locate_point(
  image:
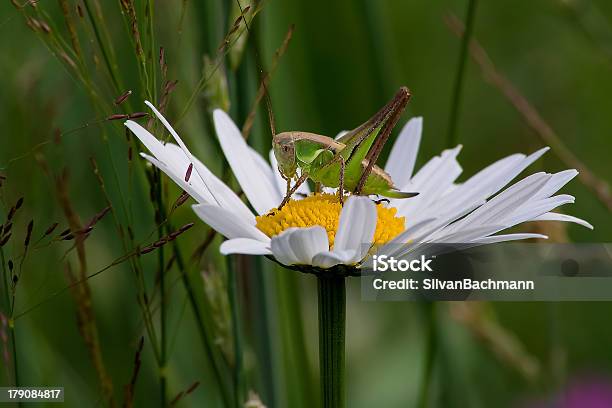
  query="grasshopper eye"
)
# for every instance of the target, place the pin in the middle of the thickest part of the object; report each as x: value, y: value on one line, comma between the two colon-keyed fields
x: 285, y: 156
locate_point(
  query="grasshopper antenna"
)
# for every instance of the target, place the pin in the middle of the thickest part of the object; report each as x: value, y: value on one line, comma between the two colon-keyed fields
x: 269, y: 109
x: 263, y: 76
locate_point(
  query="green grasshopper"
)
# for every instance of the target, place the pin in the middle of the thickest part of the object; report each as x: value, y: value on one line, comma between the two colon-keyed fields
x: 347, y: 163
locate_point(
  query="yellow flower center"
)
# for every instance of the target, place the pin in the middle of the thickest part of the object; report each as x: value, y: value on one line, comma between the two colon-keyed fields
x: 324, y: 210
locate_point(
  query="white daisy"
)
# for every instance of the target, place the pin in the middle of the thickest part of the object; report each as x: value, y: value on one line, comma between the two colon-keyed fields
x: 317, y: 231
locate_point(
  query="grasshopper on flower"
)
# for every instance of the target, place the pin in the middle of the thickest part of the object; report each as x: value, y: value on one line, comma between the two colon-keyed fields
x: 347, y: 163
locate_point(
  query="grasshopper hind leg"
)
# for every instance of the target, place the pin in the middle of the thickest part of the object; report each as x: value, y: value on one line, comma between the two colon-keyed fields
x: 341, y: 183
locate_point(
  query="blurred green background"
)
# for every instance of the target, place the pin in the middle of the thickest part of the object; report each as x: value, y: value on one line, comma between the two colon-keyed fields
x: 345, y: 60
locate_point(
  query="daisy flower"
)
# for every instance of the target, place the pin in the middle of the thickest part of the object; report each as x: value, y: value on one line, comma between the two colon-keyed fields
x: 316, y: 232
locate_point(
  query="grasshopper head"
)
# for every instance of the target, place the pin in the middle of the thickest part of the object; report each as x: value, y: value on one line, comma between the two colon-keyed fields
x: 284, y: 151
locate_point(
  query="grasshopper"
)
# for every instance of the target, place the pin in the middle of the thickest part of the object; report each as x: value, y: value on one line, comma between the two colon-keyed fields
x: 347, y: 163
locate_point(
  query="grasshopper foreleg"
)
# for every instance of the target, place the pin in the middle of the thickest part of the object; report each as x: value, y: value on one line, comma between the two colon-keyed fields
x: 288, y: 180
x: 291, y: 190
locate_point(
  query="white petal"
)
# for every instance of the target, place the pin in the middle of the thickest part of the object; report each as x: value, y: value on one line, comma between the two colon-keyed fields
x: 155, y: 146
x: 400, y: 164
x: 169, y: 127
x: 173, y: 166
x: 551, y: 216
x: 432, y: 249
x: 459, y: 239
x: 445, y: 219
x: 268, y: 171
x: 421, y: 177
x: 224, y: 196
x: 411, y: 235
x: 490, y: 180
x: 467, y: 234
x: 431, y: 183
x: 262, y: 195
x: 306, y: 242
x: 501, y: 169
x: 245, y: 246
x: 526, y: 162
x: 201, y: 195
x: 475, y: 190
x: 413, y: 232
x: 507, y: 237
x: 556, y: 182
x: 177, y: 138
x: 534, y: 209
x: 281, y: 249
x: 327, y: 259
x: 506, y: 202
x: 227, y: 224
x: 203, y: 185
x: 356, y: 226
x: 297, y: 246
x: 281, y: 184
x: 402, y: 241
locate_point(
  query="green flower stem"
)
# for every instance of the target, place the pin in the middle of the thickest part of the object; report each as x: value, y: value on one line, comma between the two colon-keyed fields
x: 428, y: 311
x: 332, y: 325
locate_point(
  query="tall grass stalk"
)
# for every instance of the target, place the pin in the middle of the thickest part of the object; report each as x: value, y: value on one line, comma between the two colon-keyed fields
x: 256, y: 285
x: 15, y: 363
x: 57, y: 46
x: 382, y: 45
x: 103, y: 39
x: 104, y: 43
x: 204, y: 325
x: 203, y: 321
x: 598, y: 185
x: 264, y: 322
x: 162, y: 289
x: 428, y: 309
x: 151, y: 52
x: 97, y: 86
x: 232, y: 294
x: 218, y: 62
x: 6, y: 278
x: 453, y: 137
x: 295, y: 380
x: 82, y: 293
